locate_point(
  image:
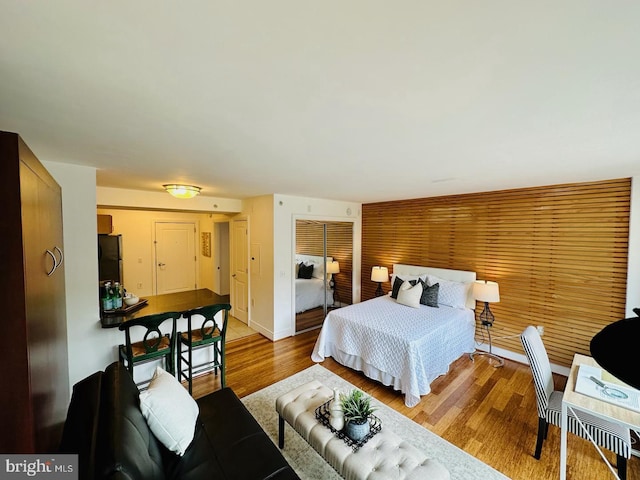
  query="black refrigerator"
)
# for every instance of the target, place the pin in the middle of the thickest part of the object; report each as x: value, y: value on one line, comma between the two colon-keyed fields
x: 110, y: 258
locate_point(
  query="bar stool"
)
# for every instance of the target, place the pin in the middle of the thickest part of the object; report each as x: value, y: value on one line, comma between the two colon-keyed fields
x: 154, y: 344
x: 209, y: 334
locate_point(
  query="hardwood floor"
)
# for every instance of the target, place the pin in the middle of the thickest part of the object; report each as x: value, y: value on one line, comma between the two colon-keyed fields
x: 490, y: 413
x: 309, y: 319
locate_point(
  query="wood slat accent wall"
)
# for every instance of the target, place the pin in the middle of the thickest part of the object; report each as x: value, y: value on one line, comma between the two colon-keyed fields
x: 559, y: 254
x: 309, y: 239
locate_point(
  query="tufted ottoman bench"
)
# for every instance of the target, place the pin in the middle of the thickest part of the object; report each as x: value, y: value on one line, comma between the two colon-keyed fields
x: 384, y: 456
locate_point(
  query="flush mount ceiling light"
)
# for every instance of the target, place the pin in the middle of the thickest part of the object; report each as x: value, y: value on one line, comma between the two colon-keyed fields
x: 182, y: 191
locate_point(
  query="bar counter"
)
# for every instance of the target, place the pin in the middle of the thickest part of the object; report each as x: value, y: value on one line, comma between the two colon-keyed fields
x: 169, y: 302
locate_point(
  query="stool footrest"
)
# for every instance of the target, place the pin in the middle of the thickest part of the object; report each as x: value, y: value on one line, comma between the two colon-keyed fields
x: 385, y: 455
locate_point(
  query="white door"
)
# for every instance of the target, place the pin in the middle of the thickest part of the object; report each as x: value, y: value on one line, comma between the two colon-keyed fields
x: 221, y: 266
x: 175, y: 257
x: 240, y: 269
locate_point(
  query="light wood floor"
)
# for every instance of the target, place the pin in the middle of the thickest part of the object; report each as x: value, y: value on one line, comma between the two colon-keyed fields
x: 488, y: 412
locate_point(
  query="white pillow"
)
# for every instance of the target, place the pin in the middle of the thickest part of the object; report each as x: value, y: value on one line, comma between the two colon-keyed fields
x: 318, y: 269
x: 409, y: 295
x: 170, y: 411
x: 452, y: 294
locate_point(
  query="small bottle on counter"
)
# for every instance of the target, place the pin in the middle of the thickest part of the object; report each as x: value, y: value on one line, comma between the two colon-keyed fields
x: 107, y: 299
x: 117, y: 296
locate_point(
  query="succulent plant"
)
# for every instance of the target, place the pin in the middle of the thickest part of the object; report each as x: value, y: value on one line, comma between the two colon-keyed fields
x: 356, y: 407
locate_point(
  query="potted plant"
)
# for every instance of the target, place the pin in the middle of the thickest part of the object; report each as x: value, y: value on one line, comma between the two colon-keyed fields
x: 357, y: 409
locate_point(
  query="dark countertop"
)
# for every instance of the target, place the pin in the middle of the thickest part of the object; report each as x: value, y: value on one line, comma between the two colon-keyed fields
x: 170, y: 302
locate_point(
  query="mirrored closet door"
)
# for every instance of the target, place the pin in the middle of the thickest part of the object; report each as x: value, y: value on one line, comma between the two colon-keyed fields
x: 324, y: 272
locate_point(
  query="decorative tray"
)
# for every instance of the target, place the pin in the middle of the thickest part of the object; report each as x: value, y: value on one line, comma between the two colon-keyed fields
x: 322, y: 415
x: 127, y: 308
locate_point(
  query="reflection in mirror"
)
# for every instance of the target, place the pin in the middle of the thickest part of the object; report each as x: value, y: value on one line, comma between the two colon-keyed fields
x: 324, y: 270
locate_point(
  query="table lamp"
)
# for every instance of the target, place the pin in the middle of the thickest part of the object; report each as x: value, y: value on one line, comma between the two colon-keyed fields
x: 332, y: 268
x: 487, y: 292
x: 380, y: 275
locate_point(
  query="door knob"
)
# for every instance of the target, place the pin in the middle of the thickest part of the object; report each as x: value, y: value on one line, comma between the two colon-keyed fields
x: 161, y: 264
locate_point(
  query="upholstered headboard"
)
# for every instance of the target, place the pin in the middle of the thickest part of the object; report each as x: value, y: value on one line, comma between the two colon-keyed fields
x: 444, y: 273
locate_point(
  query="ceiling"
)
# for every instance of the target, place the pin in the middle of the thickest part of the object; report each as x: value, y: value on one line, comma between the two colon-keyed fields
x: 360, y: 100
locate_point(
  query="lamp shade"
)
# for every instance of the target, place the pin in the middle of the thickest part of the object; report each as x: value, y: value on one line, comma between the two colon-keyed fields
x: 333, y: 267
x: 182, y: 191
x: 486, y: 291
x: 379, y: 274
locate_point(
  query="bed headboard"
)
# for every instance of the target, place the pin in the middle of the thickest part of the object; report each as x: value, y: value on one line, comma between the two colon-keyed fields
x: 444, y: 273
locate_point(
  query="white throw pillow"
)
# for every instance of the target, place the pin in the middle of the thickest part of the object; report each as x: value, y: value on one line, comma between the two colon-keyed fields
x: 170, y: 411
x: 452, y: 294
x: 410, y: 295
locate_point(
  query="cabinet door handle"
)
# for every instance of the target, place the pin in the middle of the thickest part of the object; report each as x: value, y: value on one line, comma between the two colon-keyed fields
x: 61, y: 255
x: 55, y: 263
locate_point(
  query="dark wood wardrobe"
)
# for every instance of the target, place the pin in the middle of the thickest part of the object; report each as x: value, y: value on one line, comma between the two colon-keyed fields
x: 33, y: 358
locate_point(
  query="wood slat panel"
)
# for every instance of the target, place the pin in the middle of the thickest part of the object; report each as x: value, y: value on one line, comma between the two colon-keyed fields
x: 559, y: 254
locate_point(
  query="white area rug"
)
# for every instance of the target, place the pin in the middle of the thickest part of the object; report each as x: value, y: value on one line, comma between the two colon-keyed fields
x: 310, y: 466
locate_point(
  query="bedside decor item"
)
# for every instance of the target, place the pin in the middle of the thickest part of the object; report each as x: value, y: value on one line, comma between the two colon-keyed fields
x: 357, y: 409
x: 379, y: 275
x: 333, y: 267
x: 487, y: 292
x: 181, y: 191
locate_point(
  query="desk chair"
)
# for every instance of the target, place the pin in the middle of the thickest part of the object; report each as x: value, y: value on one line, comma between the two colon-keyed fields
x: 609, y: 435
x: 209, y: 334
x: 154, y: 344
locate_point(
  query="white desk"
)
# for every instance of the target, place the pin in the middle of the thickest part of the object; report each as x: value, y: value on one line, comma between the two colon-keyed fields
x: 577, y: 401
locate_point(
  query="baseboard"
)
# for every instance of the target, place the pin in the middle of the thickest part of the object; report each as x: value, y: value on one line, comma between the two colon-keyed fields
x: 521, y: 358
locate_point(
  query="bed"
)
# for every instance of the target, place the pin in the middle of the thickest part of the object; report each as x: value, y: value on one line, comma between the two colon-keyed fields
x: 310, y: 292
x: 400, y: 346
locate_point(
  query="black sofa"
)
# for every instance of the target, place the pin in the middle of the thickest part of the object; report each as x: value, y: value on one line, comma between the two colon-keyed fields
x: 106, y: 428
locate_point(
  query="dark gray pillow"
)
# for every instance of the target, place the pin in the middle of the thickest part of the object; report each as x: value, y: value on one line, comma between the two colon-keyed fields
x: 397, y: 283
x: 305, y: 271
x: 429, y: 294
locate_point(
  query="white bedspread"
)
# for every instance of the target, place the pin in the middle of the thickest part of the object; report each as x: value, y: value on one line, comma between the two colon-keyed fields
x: 310, y: 294
x: 397, y: 345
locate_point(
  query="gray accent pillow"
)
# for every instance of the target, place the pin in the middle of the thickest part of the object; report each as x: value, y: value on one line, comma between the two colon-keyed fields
x: 305, y: 271
x: 429, y: 294
x: 397, y: 283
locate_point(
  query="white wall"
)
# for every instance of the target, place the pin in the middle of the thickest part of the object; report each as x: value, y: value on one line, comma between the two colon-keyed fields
x: 259, y: 213
x: 633, y: 269
x: 286, y: 210
x: 90, y: 346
